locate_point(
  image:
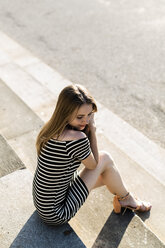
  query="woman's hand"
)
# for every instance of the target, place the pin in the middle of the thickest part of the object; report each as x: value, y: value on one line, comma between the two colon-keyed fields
x: 92, y: 126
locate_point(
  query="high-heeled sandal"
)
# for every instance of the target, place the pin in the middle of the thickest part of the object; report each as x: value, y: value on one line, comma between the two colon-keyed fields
x: 117, y: 206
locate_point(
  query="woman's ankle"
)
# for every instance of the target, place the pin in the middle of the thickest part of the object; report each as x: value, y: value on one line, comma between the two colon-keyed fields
x: 123, y: 196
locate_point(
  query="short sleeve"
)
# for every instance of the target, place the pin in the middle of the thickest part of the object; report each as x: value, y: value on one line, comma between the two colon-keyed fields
x: 79, y: 149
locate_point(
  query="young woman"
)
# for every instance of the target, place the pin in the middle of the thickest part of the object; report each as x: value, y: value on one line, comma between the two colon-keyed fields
x: 65, y: 141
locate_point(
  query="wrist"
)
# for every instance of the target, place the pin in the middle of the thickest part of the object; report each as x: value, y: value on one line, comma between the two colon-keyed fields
x: 92, y: 128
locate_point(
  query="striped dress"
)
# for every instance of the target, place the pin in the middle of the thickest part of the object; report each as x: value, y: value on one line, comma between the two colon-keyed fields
x: 57, y: 193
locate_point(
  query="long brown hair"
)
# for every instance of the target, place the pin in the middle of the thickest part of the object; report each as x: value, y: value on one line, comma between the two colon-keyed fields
x: 70, y: 99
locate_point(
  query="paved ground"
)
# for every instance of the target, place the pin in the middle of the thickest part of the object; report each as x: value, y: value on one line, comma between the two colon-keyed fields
x: 115, y: 48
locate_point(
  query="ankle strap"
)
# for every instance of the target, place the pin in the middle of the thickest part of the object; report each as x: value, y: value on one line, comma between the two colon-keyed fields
x: 123, y: 198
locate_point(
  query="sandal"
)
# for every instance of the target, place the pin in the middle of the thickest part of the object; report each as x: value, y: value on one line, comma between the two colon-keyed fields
x: 117, y: 205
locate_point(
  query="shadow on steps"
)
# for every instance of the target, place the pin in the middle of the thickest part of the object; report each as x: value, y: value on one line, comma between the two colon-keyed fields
x: 36, y: 234
x: 113, y: 230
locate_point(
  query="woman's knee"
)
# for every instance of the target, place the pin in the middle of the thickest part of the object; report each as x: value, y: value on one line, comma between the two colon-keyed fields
x: 106, y: 159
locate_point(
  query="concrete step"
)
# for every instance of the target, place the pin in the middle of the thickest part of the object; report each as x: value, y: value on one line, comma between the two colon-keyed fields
x: 9, y: 161
x: 16, y: 204
x: 30, y: 91
x: 19, y: 125
x: 126, y: 231
x: 20, y: 225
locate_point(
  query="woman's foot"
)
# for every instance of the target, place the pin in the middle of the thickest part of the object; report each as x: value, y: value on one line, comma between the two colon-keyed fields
x: 133, y: 203
x: 130, y: 202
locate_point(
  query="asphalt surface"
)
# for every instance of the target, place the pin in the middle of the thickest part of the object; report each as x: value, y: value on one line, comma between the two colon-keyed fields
x: 114, y: 48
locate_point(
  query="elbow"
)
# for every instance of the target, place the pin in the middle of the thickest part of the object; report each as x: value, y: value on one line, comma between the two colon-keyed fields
x: 94, y: 165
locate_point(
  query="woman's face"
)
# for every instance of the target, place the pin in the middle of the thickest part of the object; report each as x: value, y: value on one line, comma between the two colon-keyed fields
x: 82, y: 117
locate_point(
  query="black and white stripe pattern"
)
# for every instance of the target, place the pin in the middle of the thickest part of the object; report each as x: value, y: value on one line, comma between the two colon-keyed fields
x: 57, y: 196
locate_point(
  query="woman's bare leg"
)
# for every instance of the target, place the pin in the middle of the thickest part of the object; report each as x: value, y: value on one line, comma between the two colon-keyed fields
x: 107, y: 174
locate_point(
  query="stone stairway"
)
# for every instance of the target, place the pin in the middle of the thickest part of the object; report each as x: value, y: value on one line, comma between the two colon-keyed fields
x: 28, y: 94
x: 14, y: 163
x: 19, y: 125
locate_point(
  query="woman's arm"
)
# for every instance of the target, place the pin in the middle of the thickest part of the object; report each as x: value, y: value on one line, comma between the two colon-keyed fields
x: 92, y: 160
x: 92, y: 138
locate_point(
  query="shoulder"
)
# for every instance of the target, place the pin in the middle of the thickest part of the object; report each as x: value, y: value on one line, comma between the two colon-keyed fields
x: 71, y: 135
x: 75, y: 135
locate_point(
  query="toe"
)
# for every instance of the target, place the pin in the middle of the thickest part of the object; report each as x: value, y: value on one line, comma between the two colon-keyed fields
x: 145, y: 206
